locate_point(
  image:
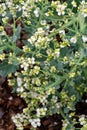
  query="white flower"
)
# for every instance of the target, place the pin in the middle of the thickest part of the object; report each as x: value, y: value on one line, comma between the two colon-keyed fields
x: 36, y: 12
x: 20, y: 89
x: 57, y: 53
x: 62, y: 32
x: 86, y: 101
x: 31, y: 60
x: 57, y: 105
x: 73, y: 40
x: 41, y: 111
x: 43, y: 22
x: 25, y: 85
x: 40, y: 30
x: 33, y: 94
x: 83, y: 8
x: 61, y: 9
x: 10, y: 98
x: 84, y: 38
x: 19, y: 81
x: 24, y: 65
x: 43, y: 100
x: 83, y: 2
x: 82, y: 120
x: 54, y: 99
x: 35, y: 122
x: 74, y: 3
x: 32, y: 39
x: 36, y: 1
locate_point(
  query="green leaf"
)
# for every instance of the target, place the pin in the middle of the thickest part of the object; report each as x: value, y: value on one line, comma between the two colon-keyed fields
x: 19, y: 13
x: 2, y: 48
x: 14, y: 38
x: 18, y: 51
x: 81, y: 20
x: 66, y: 110
x: 15, y: 87
x: 85, y: 72
x: 6, y: 68
x: 18, y: 31
x: 69, y: 127
x: 56, y: 83
x: 17, y: 34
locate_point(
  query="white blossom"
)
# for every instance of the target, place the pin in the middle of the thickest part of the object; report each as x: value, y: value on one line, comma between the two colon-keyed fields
x: 82, y: 120
x: 36, y: 12
x: 43, y: 22
x: 62, y: 32
x: 35, y: 122
x: 31, y: 60
x: 74, y: 3
x: 61, y: 9
x: 57, y: 53
x: 19, y: 81
x: 84, y: 38
x: 41, y: 111
x: 20, y: 89
x: 73, y: 40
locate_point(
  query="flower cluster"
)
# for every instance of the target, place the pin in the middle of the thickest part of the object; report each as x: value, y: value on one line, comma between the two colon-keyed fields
x: 35, y: 122
x: 82, y: 119
x: 60, y: 8
x: 83, y: 8
x: 39, y: 39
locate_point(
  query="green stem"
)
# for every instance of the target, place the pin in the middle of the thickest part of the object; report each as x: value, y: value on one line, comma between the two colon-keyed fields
x: 73, y: 69
x: 78, y: 62
x: 55, y: 83
x: 66, y: 118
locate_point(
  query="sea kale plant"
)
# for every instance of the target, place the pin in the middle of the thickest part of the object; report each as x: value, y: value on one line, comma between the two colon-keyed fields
x: 49, y: 70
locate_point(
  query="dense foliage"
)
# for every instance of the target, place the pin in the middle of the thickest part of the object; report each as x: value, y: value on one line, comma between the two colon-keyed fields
x: 48, y: 67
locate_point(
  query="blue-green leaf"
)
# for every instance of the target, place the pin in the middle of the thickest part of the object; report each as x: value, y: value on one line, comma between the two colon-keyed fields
x: 6, y: 68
